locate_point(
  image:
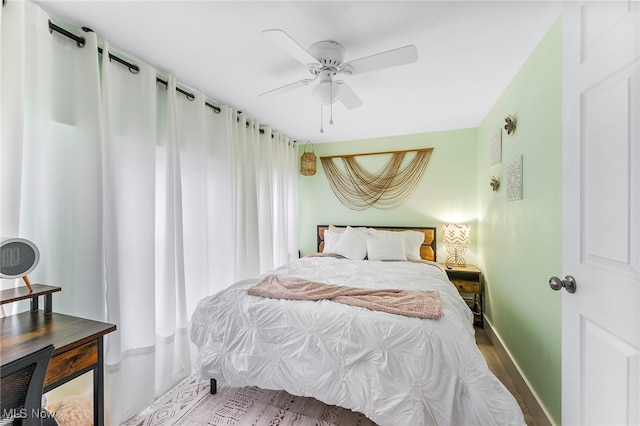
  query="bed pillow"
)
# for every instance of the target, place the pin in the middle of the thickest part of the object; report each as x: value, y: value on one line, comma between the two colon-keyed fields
x: 336, y: 229
x: 386, y: 249
x: 330, y: 241
x: 334, y: 234
x: 352, y: 244
x: 412, y: 242
x: 341, y: 229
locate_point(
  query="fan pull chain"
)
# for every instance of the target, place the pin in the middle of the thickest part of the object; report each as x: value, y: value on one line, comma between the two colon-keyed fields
x: 331, y: 97
x: 321, y: 129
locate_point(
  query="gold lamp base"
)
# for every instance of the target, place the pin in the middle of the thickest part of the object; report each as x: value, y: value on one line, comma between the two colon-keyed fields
x: 455, y: 256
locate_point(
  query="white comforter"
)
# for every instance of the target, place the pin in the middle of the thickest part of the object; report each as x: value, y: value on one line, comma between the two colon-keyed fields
x: 396, y: 370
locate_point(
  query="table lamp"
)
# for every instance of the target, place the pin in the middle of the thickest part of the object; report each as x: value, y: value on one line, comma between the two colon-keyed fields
x: 456, y: 237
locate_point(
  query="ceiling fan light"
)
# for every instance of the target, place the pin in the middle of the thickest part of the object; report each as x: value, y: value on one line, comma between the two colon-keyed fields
x: 326, y: 93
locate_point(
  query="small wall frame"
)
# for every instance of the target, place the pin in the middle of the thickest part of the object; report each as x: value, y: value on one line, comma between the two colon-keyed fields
x: 514, y: 179
x: 496, y: 148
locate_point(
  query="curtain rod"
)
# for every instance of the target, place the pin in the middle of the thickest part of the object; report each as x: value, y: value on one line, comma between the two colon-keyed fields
x: 133, y: 68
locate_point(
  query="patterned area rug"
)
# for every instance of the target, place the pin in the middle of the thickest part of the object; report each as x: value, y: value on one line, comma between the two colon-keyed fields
x: 190, y: 403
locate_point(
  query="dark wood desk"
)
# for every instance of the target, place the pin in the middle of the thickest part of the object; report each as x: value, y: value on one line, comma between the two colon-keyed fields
x: 78, y: 346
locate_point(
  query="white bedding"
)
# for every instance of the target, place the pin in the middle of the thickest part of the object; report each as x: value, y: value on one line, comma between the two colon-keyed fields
x: 396, y: 370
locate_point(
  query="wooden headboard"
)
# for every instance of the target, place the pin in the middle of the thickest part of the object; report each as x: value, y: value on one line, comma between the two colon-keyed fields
x: 427, y: 250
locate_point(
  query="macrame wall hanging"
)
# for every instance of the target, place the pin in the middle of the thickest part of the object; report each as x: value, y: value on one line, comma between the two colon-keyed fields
x: 392, y: 185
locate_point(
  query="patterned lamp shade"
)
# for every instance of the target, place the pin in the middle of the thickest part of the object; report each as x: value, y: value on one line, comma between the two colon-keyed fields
x: 456, y: 237
x: 456, y: 234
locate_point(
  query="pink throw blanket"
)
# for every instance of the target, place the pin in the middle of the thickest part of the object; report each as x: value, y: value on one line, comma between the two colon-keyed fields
x: 419, y: 304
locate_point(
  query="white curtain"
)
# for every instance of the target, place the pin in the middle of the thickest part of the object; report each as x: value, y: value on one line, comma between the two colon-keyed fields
x: 54, y: 155
x: 142, y: 200
x: 130, y: 132
x: 265, y: 196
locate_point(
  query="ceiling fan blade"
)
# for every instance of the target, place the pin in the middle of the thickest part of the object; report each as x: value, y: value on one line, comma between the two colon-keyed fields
x: 390, y: 58
x: 290, y: 46
x: 288, y: 87
x: 347, y: 96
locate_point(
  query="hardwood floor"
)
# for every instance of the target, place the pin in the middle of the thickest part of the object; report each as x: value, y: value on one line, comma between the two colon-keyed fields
x: 496, y: 366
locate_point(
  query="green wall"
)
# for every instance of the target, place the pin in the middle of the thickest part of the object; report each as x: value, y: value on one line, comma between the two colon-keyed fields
x: 517, y: 244
x: 447, y: 191
x: 520, y: 241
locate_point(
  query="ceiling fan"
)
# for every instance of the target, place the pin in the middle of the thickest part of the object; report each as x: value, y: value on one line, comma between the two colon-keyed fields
x: 325, y: 60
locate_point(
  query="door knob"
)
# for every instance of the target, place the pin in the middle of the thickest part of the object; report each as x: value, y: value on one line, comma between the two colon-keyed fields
x: 569, y: 283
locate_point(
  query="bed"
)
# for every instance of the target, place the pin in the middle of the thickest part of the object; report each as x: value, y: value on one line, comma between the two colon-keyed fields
x: 395, y: 369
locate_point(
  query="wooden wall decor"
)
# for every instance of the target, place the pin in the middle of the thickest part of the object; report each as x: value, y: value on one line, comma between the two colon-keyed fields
x: 510, y: 124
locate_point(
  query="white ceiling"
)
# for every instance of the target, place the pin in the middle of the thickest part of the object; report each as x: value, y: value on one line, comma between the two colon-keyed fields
x: 468, y: 51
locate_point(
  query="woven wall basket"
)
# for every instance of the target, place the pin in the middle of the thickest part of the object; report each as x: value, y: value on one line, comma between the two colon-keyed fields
x: 308, y: 161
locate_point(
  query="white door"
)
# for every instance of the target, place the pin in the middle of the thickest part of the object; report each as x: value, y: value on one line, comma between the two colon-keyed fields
x: 601, y: 213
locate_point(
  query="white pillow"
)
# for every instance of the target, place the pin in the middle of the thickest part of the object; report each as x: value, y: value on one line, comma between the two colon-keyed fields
x: 412, y: 242
x: 352, y: 244
x: 336, y: 229
x: 341, y: 229
x: 377, y: 233
x: 386, y: 249
x: 330, y: 241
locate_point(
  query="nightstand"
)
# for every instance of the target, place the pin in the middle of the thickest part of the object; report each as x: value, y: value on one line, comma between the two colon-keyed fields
x: 468, y: 281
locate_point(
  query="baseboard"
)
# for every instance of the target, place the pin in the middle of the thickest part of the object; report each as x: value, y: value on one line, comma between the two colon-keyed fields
x: 537, y: 410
